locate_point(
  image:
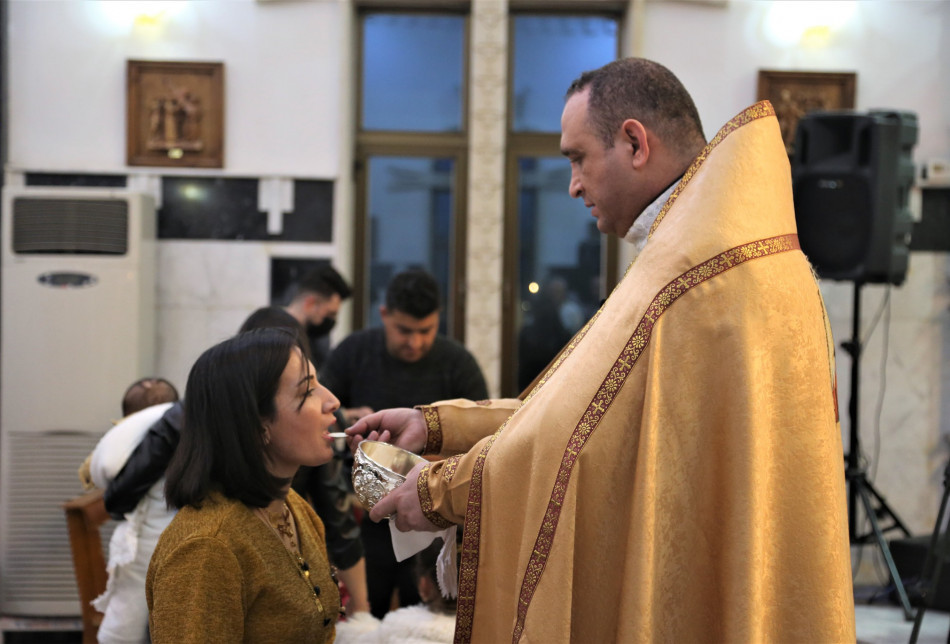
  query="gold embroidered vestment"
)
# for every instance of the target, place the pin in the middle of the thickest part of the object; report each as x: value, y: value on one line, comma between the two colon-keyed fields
x: 677, y: 475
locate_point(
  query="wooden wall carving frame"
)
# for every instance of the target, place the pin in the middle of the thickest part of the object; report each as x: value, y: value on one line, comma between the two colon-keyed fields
x: 795, y: 93
x: 175, y: 114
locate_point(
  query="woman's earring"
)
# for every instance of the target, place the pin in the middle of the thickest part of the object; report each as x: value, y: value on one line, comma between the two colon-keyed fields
x: 266, y: 436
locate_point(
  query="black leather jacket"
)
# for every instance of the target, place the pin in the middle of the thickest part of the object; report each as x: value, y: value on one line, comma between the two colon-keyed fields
x: 323, y: 486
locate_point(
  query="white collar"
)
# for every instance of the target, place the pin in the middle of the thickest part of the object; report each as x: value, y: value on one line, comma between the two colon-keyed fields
x: 640, y: 230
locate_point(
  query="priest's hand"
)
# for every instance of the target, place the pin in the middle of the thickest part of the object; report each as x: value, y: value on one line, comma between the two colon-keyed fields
x: 402, y: 427
x: 402, y: 506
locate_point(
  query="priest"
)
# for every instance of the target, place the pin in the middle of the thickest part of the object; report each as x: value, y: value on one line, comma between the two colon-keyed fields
x: 676, y: 474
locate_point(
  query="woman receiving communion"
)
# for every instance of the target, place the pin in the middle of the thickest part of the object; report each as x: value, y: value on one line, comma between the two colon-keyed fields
x: 245, y: 558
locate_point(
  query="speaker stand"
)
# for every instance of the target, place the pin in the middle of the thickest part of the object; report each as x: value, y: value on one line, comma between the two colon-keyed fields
x: 936, y: 555
x: 859, y: 487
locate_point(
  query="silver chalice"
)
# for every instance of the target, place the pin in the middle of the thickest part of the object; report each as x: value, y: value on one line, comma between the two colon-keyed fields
x: 378, y: 469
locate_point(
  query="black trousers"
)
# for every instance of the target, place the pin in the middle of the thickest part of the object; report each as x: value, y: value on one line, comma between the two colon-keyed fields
x: 383, y: 573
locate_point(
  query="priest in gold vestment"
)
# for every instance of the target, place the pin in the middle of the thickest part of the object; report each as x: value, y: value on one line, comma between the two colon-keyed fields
x: 677, y: 473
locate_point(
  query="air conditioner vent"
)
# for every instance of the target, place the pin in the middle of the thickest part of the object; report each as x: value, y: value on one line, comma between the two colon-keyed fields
x: 93, y: 226
x: 38, y: 569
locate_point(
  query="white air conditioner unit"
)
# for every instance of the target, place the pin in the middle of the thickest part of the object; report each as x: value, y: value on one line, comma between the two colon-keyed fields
x: 77, y: 311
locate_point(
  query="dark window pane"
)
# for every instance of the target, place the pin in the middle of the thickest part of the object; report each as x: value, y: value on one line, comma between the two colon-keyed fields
x: 549, y: 53
x: 412, y: 72
x: 559, y: 264
x: 411, y: 224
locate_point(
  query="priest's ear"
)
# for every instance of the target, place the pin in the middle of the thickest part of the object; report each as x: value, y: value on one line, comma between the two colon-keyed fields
x: 635, y: 139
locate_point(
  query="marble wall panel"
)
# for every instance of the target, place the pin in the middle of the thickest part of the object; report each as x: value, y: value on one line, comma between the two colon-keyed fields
x: 205, y: 291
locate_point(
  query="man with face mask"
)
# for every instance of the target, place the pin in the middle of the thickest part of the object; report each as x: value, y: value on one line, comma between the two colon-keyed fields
x: 315, y: 303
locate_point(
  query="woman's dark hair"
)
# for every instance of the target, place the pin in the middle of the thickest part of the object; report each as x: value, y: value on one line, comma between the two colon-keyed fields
x: 271, y: 316
x: 230, y: 389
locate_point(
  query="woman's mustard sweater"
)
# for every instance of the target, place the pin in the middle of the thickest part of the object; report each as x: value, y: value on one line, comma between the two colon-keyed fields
x: 220, y: 574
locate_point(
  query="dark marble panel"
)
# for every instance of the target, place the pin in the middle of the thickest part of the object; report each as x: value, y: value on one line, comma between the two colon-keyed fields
x: 210, y: 208
x: 75, y: 180
x: 218, y: 207
x: 312, y: 218
x: 222, y: 208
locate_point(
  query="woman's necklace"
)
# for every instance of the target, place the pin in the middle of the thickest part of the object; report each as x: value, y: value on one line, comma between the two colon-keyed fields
x: 283, y: 525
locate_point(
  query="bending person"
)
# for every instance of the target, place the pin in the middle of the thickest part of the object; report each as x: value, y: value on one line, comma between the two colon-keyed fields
x: 245, y: 557
x: 676, y: 475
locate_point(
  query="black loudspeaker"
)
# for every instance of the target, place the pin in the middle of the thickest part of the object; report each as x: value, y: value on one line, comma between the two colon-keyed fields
x: 851, y: 177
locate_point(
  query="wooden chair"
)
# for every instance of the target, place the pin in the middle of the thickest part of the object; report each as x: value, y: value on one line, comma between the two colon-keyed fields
x: 84, y: 515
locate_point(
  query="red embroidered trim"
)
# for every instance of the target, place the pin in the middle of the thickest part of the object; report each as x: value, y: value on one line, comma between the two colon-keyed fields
x: 425, y: 499
x: 468, y: 565
x: 834, y: 396
x: 468, y: 561
x: 433, y: 429
x: 611, y: 386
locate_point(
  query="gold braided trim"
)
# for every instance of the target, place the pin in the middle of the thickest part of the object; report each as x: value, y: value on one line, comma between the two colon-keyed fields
x: 433, y: 429
x: 760, y: 110
x: 425, y: 499
x: 451, y: 464
x: 611, y: 385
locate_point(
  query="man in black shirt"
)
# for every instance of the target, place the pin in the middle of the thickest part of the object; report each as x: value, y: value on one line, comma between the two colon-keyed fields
x: 402, y: 364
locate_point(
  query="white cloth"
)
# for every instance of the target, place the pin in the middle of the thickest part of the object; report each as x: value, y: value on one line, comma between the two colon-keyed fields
x: 406, y: 544
x: 356, y: 628
x: 410, y: 625
x: 640, y: 229
x: 133, y: 541
x: 115, y: 447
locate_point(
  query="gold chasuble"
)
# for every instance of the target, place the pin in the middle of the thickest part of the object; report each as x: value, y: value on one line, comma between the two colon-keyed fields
x: 677, y: 475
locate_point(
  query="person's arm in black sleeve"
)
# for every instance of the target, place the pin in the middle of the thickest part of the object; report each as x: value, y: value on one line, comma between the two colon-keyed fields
x: 326, y: 488
x: 330, y: 498
x: 146, y: 464
x: 471, y: 382
x: 333, y: 373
